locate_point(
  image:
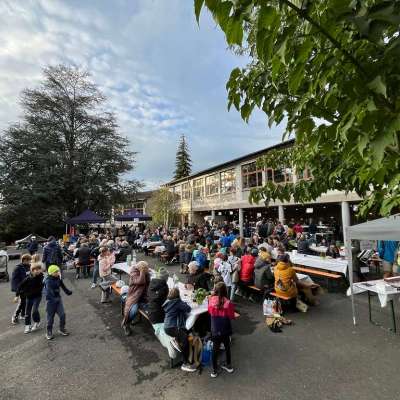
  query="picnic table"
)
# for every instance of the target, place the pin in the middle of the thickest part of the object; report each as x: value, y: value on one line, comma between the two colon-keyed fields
x: 186, y: 294
x: 385, y: 293
x: 324, y: 249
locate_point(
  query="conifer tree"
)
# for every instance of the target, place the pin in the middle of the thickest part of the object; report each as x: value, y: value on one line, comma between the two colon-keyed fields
x: 183, y: 165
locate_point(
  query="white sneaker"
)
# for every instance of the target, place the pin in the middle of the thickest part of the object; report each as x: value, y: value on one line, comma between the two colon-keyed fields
x: 176, y: 346
x: 93, y: 286
x: 36, y: 326
x: 27, y: 329
x: 188, y: 368
x: 227, y: 369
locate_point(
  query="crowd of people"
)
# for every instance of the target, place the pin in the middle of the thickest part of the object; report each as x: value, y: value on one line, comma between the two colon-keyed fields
x: 214, y: 257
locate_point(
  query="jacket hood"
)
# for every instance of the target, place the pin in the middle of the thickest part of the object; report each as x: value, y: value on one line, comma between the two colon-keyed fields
x: 170, y: 304
x: 282, y: 266
x: 156, y: 284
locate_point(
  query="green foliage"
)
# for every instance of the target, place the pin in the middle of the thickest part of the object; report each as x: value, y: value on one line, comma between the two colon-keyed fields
x: 65, y: 155
x: 330, y: 71
x: 183, y: 161
x: 163, y: 208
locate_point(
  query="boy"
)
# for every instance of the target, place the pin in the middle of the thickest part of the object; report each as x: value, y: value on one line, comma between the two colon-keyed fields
x: 53, y: 283
x: 18, y: 276
x: 32, y: 287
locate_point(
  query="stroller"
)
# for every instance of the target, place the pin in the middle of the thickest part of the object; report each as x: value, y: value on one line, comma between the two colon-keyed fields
x: 4, y: 266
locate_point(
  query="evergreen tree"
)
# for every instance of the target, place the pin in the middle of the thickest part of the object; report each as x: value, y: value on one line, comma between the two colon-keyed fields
x: 183, y: 162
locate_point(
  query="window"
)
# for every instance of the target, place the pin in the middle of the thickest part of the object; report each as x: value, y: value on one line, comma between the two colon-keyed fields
x: 251, y: 176
x: 304, y: 175
x: 139, y: 207
x: 185, y: 191
x: 178, y: 192
x: 212, y: 185
x: 284, y: 175
x: 198, y: 189
x: 228, y: 181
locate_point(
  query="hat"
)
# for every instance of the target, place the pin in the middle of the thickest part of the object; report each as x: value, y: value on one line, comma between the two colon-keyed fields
x: 163, y: 274
x: 53, y: 269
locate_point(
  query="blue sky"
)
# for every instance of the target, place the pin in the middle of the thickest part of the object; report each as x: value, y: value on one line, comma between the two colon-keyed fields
x: 163, y: 75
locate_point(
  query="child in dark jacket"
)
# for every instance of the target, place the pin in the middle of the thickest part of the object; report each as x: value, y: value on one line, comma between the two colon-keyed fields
x: 222, y: 312
x: 18, y: 276
x: 174, y: 325
x: 55, y: 305
x: 32, y: 288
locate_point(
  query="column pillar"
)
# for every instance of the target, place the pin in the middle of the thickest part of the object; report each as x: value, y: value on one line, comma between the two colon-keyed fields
x: 213, y: 215
x: 241, y: 222
x: 345, y: 217
x: 281, y: 214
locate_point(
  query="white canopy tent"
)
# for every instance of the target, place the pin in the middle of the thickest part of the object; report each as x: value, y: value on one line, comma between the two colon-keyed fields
x: 387, y: 228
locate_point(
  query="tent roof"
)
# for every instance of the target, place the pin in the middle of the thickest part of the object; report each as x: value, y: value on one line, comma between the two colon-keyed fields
x: 131, y: 215
x: 387, y: 228
x: 87, y: 217
x: 28, y: 238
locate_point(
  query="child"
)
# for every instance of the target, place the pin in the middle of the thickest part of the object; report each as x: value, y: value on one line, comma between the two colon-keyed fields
x: 225, y: 269
x: 18, y: 276
x: 31, y: 288
x: 222, y: 312
x: 53, y: 283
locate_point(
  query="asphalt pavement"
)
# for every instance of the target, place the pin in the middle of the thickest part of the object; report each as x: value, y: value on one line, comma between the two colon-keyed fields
x: 322, y: 356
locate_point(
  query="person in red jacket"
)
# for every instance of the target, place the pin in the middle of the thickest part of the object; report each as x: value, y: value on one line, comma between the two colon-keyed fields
x: 222, y: 311
x: 246, y: 273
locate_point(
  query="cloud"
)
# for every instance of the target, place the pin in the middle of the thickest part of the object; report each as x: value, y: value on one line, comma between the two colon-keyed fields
x: 162, y: 74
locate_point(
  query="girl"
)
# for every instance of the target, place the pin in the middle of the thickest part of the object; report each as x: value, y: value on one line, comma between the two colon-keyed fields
x: 106, y: 261
x: 222, y: 312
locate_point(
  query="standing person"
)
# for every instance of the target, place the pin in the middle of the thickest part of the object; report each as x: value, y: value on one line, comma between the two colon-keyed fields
x: 55, y: 305
x: 52, y: 253
x: 222, y: 312
x: 33, y: 246
x: 174, y: 325
x: 234, y: 261
x: 106, y: 261
x: 225, y: 269
x: 32, y: 288
x: 139, y: 281
x: 83, y: 254
x: 18, y: 276
x: 387, y: 252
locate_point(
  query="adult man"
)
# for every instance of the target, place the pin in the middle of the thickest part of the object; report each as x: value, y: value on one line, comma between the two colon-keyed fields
x: 387, y: 252
x: 33, y: 246
x: 52, y: 253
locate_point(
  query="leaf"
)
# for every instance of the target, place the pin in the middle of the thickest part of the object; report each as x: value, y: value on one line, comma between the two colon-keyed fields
x: 234, y: 31
x: 266, y: 17
x: 379, y: 146
x: 198, y: 4
x: 282, y: 51
x: 295, y: 78
x: 222, y: 14
x: 362, y: 144
x: 378, y: 86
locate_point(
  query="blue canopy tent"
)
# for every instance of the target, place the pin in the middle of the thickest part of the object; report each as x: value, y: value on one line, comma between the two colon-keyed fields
x: 86, y: 217
x: 132, y: 215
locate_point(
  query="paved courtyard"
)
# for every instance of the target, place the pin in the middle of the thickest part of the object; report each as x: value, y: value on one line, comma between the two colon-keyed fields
x: 322, y: 356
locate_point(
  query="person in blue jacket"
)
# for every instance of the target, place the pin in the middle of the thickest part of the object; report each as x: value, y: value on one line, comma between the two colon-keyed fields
x: 18, y: 276
x: 55, y: 305
x: 387, y: 252
x: 52, y: 253
x: 201, y: 259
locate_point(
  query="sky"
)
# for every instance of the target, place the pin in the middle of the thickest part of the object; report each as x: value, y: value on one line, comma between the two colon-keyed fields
x: 162, y: 73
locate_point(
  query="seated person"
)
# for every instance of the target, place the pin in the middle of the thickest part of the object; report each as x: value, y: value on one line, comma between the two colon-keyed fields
x: 174, y: 325
x: 246, y: 273
x: 287, y: 283
x: 303, y: 246
x: 139, y: 281
x: 333, y: 251
x: 170, y: 248
x: 198, y: 279
x: 262, y: 270
x: 201, y: 259
x: 157, y: 295
x: 124, y: 252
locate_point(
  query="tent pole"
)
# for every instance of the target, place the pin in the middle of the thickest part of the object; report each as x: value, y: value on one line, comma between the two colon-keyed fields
x: 349, y: 254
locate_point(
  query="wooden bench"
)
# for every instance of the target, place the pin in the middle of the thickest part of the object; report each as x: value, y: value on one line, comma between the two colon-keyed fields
x: 317, y: 272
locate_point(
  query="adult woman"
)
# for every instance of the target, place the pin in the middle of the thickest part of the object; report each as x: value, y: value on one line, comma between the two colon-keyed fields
x: 174, y: 325
x: 222, y: 312
x: 139, y: 280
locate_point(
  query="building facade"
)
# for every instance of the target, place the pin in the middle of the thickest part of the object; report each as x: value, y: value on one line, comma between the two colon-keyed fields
x: 222, y: 192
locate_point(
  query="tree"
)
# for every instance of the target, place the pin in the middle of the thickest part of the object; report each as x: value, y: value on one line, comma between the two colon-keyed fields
x: 330, y: 71
x: 163, y: 208
x: 183, y: 162
x: 65, y: 155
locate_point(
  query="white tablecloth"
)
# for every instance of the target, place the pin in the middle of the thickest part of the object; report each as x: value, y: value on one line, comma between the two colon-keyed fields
x: 385, y: 291
x: 324, y: 249
x: 328, y: 264
x: 122, y: 267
